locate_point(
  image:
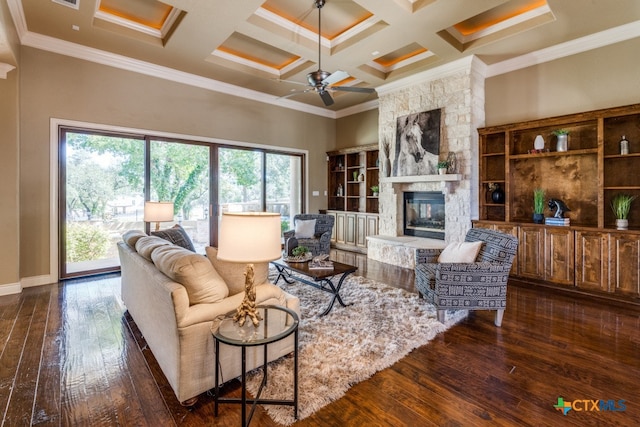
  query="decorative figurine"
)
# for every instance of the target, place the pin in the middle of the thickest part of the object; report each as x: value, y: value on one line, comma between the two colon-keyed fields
x: 248, y: 308
x: 560, y: 207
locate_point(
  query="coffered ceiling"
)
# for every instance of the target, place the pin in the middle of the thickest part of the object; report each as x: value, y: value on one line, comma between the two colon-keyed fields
x: 265, y: 49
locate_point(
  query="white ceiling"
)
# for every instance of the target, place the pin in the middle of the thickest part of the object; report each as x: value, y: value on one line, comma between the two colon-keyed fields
x: 246, y: 47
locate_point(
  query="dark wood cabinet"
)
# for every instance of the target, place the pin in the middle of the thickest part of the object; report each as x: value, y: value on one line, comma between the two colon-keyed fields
x: 589, y: 255
x: 592, y: 260
x: 624, y: 259
x: 559, y: 255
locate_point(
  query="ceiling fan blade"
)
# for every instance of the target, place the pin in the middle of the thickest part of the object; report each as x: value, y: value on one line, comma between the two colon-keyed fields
x: 335, y: 77
x: 294, y: 93
x: 326, y: 98
x: 353, y: 89
x: 291, y: 81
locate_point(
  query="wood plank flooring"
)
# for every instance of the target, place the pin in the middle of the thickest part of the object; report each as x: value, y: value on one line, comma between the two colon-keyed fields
x: 69, y: 355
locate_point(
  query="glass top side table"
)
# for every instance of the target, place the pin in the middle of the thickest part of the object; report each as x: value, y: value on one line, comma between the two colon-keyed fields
x: 277, y: 323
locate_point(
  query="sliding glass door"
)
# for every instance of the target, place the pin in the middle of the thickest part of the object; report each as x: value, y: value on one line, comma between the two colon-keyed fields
x: 105, y: 179
x: 179, y: 173
x: 101, y: 196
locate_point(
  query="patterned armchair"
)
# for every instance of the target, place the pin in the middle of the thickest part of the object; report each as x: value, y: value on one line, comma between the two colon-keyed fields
x: 481, y: 285
x: 320, y: 243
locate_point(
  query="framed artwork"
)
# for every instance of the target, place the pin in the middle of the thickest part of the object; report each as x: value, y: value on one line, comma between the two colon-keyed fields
x: 417, y: 144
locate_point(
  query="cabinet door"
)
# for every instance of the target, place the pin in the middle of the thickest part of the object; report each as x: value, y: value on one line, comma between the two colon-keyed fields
x: 624, y: 252
x: 559, y: 255
x: 341, y: 227
x: 361, y: 230
x: 531, y: 252
x: 372, y: 225
x: 512, y: 230
x: 350, y: 229
x: 333, y: 230
x: 592, y: 259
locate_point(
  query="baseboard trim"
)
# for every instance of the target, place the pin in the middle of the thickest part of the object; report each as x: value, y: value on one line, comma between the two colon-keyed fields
x: 10, y: 289
x: 44, y: 279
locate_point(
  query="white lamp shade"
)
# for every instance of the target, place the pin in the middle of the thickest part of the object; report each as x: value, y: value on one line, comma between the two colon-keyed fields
x: 158, y: 211
x: 249, y: 237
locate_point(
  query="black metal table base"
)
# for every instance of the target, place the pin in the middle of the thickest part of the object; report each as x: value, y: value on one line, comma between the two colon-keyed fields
x: 244, y: 401
x: 324, y: 284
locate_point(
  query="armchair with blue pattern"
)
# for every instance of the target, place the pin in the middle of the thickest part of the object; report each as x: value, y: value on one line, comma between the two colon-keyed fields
x: 480, y: 285
x: 320, y: 243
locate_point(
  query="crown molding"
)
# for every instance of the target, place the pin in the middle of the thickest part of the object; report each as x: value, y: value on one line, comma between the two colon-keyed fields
x: 4, y: 69
x: 583, y: 44
x: 442, y: 71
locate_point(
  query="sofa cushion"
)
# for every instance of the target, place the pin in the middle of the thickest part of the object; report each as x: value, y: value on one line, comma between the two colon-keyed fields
x: 147, y: 244
x: 193, y: 271
x: 176, y: 235
x: 305, y: 229
x: 131, y: 237
x: 460, y: 252
x: 233, y: 272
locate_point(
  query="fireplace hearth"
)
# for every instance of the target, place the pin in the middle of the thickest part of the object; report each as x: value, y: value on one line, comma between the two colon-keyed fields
x: 424, y: 214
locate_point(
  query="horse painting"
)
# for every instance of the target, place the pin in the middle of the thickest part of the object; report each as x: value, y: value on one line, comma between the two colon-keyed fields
x: 417, y: 144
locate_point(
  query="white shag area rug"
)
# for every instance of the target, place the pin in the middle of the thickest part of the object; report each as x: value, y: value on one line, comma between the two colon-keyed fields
x: 348, y: 345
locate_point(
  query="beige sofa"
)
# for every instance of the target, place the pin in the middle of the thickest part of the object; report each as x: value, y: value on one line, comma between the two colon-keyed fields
x: 175, y: 295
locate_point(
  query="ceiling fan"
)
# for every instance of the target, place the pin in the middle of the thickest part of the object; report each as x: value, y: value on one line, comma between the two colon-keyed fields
x: 321, y: 81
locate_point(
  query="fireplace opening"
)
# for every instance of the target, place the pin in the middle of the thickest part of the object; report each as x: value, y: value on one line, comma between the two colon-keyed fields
x: 424, y: 214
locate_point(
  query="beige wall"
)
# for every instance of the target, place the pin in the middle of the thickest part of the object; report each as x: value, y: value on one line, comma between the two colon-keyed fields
x: 9, y: 163
x: 601, y: 78
x: 61, y: 87
x: 357, y: 129
x: 9, y: 221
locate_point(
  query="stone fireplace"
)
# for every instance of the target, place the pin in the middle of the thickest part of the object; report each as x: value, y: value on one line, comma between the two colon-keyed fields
x: 458, y: 90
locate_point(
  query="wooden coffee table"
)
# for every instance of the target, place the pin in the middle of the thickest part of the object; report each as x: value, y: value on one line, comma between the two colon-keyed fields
x: 319, y: 279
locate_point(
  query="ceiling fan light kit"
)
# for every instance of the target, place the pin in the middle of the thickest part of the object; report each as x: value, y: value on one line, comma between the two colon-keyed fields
x: 321, y: 80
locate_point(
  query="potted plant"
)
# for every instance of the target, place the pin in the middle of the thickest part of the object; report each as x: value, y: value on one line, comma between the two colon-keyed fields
x: 562, y: 135
x: 621, y: 204
x: 538, y: 206
x: 374, y: 190
x: 442, y: 167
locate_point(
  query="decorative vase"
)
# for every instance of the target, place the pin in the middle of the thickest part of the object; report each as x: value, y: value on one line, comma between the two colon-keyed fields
x: 622, y: 224
x: 538, y: 143
x: 538, y: 218
x: 562, y: 144
x: 375, y: 194
x: 442, y: 171
x: 355, y: 176
x: 497, y: 196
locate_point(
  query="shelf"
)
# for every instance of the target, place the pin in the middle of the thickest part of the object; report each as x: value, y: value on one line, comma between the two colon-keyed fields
x: 625, y: 188
x: 621, y: 156
x: 555, y: 154
x: 492, y: 154
x: 422, y: 178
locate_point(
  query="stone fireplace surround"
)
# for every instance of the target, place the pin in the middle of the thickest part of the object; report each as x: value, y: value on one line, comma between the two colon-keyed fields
x: 457, y: 89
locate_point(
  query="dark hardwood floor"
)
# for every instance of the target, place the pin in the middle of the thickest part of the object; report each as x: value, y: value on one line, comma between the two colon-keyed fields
x: 70, y: 356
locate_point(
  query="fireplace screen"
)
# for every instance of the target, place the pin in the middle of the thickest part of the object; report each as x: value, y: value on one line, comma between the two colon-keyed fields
x: 424, y: 214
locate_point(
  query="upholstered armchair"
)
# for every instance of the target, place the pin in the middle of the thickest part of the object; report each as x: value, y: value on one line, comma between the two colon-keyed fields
x: 477, y: 285
x: 318, y: 239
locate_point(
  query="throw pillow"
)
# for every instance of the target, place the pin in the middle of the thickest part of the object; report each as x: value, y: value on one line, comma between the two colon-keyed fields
x: 176, y: 235
x: 233, y: 272
x: 305, y: 229
x: 461, y: 252
x: 193, y: 271
x: 131, y: 237
x: 146, y: 245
